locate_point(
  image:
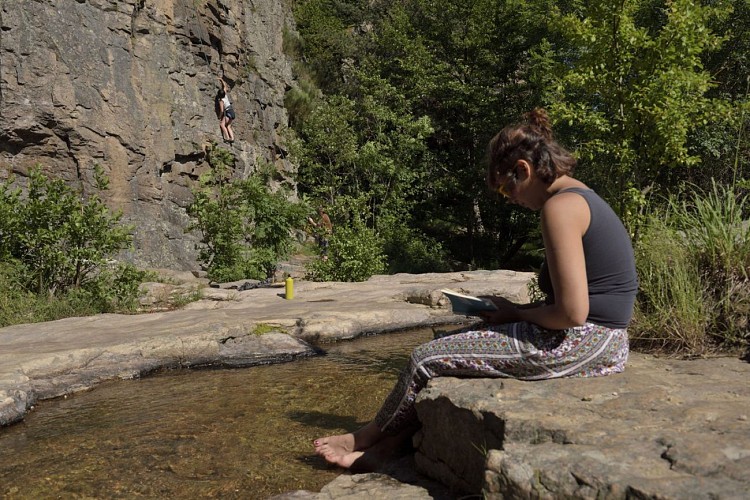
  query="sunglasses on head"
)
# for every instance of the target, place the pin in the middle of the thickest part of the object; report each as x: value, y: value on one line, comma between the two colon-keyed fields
x: 503, y: 188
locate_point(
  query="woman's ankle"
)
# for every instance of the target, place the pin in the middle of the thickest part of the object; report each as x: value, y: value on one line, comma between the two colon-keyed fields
x: 367, y: 436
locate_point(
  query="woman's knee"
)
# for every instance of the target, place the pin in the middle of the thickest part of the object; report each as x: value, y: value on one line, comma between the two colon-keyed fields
x: 423, y: 352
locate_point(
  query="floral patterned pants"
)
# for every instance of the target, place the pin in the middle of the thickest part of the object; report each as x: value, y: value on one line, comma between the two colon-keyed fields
x: 516, y: 350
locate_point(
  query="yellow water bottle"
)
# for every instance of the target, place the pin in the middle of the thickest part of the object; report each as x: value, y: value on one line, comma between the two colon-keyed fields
x: 289, y: 288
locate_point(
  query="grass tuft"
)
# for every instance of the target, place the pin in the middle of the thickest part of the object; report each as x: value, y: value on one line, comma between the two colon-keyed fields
x: 693, y: 259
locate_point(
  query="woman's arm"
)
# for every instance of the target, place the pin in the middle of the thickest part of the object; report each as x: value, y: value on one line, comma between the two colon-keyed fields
x: 565, y: 219
x: 223, y: 84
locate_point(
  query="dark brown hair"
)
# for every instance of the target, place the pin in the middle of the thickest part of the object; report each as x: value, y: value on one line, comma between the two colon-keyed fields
x: 530, y: 140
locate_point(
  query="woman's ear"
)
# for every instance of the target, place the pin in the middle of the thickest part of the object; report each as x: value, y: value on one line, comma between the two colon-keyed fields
x: 522, y: 169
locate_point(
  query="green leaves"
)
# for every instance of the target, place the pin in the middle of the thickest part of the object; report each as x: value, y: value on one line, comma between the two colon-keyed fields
x: 59, y: 243
x: 245, y: 228
x: 370, y: 148
x: 638, y: 89
x: 66, y: 238
x: 633, y: 88
x: 355, y: 253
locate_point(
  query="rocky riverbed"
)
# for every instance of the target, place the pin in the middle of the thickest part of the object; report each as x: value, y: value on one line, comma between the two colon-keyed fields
x: 665, y: 428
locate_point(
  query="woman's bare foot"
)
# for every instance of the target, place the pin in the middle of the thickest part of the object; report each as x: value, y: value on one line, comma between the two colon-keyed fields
x: 334, y: 446
x: 360, y: 461
x: 331, y: 447
x: 366, y: 458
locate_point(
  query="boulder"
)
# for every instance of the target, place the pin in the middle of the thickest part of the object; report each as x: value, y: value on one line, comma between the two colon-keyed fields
x: 665, y: 428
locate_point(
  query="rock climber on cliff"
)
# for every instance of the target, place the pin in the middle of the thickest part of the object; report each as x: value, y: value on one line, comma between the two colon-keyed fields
x: 226, y: 112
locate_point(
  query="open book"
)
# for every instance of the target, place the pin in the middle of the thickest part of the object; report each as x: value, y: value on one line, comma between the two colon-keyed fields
x: 467, y: 304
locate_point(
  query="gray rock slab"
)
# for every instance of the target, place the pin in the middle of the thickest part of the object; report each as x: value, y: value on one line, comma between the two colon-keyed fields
x: 225, y: 328
x: 362, y: 486
x: 664, y: 428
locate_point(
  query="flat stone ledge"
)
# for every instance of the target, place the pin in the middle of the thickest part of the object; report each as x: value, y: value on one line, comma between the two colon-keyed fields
x: 664, y: 428
x: 244, y: 328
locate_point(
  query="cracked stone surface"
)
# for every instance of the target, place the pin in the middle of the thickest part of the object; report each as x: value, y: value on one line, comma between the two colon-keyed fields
x: 664, y: 428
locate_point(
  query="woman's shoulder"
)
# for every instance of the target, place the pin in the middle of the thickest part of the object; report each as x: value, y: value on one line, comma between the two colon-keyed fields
x: 569, y: 191
x: 567, y: 208
x: 565, y: 201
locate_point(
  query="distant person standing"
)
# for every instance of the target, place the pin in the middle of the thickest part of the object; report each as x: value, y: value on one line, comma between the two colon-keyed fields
x: 324, y: 229
x: 226, y: 112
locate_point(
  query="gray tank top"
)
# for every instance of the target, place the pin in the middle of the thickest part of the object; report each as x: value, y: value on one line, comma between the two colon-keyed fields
x: 610, y: 266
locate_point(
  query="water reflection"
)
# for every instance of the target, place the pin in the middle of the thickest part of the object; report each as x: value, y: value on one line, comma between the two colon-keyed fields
x: 242, y: 433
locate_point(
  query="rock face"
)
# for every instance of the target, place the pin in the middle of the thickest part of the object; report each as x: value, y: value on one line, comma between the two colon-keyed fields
x: 131, y: 85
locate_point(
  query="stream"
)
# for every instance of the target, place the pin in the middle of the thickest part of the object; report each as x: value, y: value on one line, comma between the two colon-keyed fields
x: 241, y: 433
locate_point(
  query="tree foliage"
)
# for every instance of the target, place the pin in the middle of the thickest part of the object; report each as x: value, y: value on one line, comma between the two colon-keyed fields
x: 458, y: 67
x: 648, y: 93
x: 56, y: 242
x: 355, y: 253
x: 630, y: 87
x: 464, y: 65
x: 365, y: 158
x: 245, y: 227
x: 371, y: 149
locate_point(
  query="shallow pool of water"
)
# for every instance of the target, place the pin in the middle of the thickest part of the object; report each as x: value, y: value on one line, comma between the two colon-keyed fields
x: 243, y: 433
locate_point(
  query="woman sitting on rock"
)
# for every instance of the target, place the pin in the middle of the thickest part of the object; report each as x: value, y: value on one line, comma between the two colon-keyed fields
x: 578, y: 331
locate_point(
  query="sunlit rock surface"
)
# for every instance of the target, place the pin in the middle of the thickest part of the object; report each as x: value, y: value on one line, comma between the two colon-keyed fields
x: 664, y: 428
x: 131, y: 85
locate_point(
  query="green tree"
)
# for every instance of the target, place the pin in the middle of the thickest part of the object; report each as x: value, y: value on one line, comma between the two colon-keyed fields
x: 730, y: 64
x: 465, y: 66
x: 56, y: 242
x: 365, y: 157
x: 627, y: 84
x: 327, y: 27
x: 371, y: 148
x: 725, y: 145
x: 355, y: 253
x: 245, y: 227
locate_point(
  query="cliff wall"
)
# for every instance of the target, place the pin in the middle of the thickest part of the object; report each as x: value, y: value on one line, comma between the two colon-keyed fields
x: 131, y: 85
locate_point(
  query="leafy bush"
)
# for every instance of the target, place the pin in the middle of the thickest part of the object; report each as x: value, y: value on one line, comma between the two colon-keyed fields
x: 62, y: 240
x: 245, y: 228
x: 694, y: 265
x: 55, y: 251
x: 409, y: 251
x: 355, y: 253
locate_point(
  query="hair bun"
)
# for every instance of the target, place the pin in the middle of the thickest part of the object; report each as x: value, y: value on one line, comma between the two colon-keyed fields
x: 539, y: 121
